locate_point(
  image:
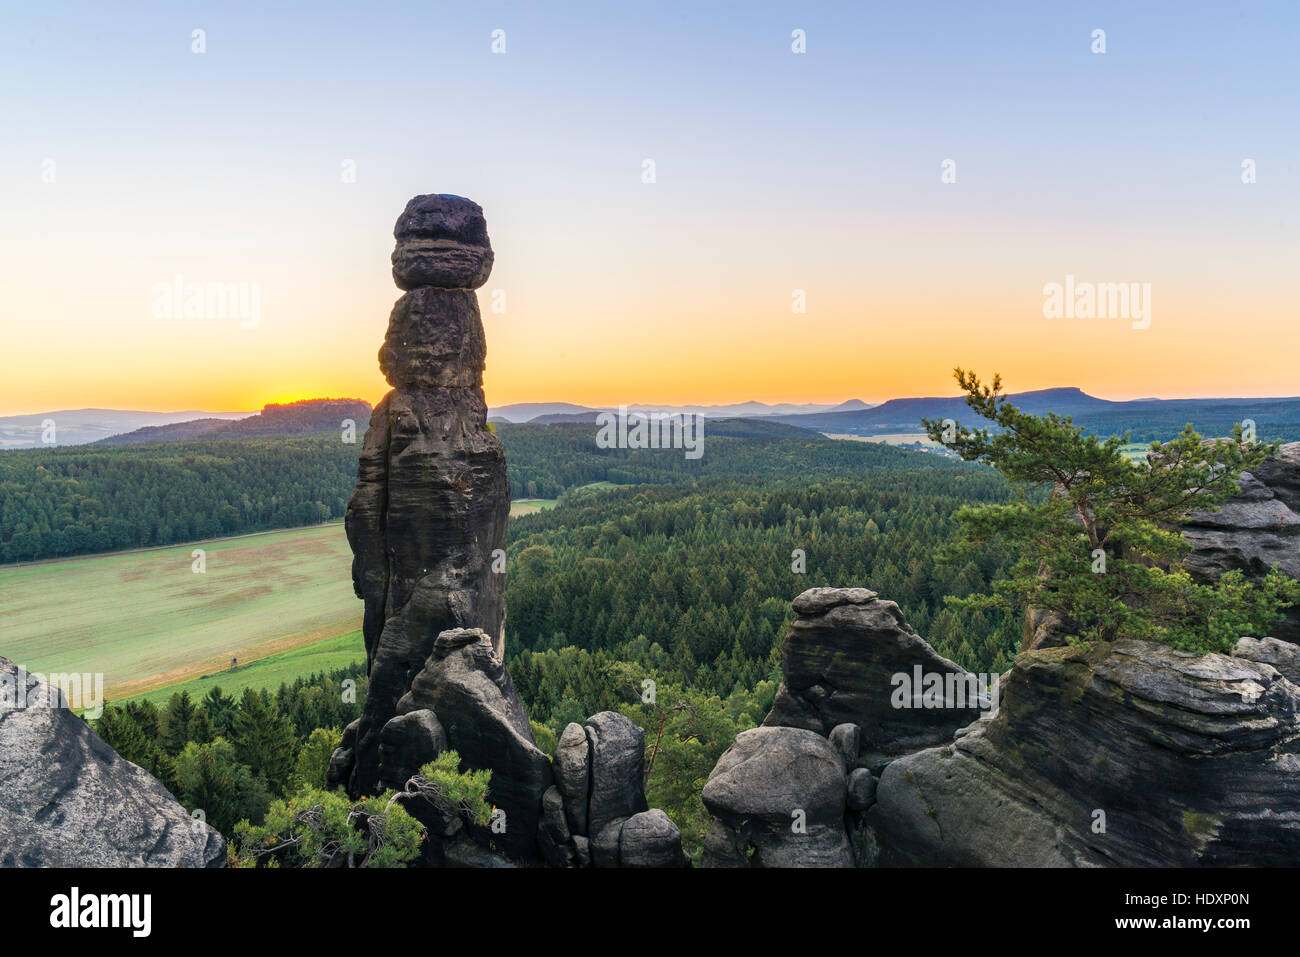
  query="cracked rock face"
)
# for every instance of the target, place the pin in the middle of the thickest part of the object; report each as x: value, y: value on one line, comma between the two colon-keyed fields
x: 1133, y: 754
x: 432, y: 499
x: 67, y: 799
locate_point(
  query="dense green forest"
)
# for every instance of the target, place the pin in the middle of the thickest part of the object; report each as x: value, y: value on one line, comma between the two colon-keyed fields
x: 84, y: 499
x: 231, y: 757
x: 683, y: 577
x: 56, y: 502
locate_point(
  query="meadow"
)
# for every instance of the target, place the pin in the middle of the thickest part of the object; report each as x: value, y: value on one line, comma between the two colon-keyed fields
x: 147, y: 619
x: 321, y: 657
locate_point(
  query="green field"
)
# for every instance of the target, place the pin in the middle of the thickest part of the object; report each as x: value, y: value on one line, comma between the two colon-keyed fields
x: 146, y: 620
x: 343, y: 651
x: 530, y: 506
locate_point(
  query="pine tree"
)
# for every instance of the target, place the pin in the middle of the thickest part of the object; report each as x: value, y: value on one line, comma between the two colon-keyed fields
x: 1096, y: 535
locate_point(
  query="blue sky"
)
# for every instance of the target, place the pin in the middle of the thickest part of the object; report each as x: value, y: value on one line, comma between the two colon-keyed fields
x: 815, y: 170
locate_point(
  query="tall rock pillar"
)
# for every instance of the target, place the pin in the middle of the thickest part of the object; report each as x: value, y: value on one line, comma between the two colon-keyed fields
x: 432, y: 498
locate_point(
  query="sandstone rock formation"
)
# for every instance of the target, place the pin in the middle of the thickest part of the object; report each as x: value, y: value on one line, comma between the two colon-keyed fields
x: 432, y: 498
x: 425, y: 523
x: 597, y: 813
x: 69, y: 800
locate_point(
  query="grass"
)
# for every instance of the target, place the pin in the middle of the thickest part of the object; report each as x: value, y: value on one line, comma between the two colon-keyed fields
x: 147, y: 621
x: 343, y: 651
x: 530, y: 506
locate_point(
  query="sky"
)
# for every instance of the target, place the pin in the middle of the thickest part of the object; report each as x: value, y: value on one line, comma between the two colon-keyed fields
x: 279, y: 158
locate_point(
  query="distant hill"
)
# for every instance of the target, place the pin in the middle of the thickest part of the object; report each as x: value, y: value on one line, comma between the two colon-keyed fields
x: 557, y: 413
x: 1145, y: 419
x: 308, y: 417
x: 527, y: 411
x: 82, y: 426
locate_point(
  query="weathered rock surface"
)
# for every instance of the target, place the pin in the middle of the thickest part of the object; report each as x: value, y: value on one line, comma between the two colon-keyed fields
x: 617, y: 769
x: 572, y: 769
x: 1257, y: 529
x: 861, y: 789
x: 432, y: 498
x: 840, y: 657
x: 1184, y: 759
x: 649, y: 839
x: 407, y: 743
x: 435, y: 340
x: 777, y: 796
x: 1282, y: 655
x: 442, y: 240
x: 553, y: 837
x: 467, y: 687
x: 67, y: 799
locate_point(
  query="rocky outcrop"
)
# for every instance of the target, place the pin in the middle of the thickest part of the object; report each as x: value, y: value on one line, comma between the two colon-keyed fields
x: 432, y: 498
x: 67, y: 799
x: 599, y: 770
x: 617, y: 748
x: 861, y: 688
x: 1132, y: 754
x: 1255, y: 530
x: 467, y: 687
x: 841, y: 658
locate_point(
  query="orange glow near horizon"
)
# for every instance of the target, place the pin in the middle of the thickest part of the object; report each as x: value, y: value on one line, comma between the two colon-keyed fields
x: 715, y: 353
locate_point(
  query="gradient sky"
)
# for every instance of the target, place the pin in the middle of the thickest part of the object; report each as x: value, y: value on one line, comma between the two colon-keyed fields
x: 775, y: 172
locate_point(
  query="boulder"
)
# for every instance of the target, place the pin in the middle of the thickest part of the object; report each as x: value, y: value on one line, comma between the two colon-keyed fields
x: 845, y: 738
x: 605, y: 843
x: 1282, y: 655
x: 777, y: 796
x: 407, y: 743
x: 67, y: 799
x: 649, y: 839
x: 582, y: 850
x: 617, y: 769
x: 468, y: 688
x: 861, y: 789
x: 339, y: 771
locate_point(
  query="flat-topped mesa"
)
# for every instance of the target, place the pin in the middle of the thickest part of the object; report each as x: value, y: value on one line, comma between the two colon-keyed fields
x: 432, y: 498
